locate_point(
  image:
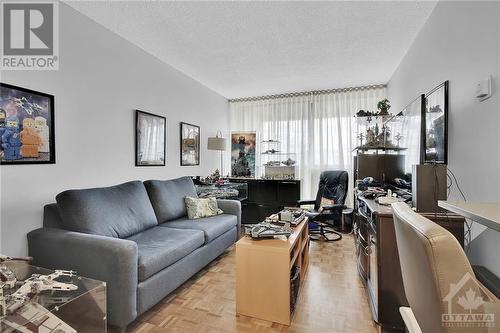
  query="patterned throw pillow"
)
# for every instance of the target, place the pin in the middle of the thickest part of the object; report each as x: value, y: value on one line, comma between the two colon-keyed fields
x: 201, y: 207
x: 325, y: 202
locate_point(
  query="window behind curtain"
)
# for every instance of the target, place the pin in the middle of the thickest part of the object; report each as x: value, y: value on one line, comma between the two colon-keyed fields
x: 318, y: 128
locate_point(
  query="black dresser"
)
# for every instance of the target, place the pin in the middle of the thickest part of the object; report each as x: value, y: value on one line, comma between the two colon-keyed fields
x: 266, y: 197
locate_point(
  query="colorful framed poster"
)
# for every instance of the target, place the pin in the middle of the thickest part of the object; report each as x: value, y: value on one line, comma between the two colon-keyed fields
x: 150, y: 139
x: 26, y: 126
x: 243, y: 154
x: 190, y: 144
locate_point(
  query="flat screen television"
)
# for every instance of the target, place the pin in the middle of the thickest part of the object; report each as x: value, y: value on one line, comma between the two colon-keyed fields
x: 434, y: 144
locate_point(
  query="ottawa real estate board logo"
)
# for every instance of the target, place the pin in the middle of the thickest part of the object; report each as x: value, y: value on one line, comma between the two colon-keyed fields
x: 30, y: 35
x: 468, y: 305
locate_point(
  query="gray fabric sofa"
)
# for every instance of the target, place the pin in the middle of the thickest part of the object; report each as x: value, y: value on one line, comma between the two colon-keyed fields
x: 136, y: 237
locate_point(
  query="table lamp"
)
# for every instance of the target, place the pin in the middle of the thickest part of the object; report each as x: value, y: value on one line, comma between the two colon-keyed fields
x: 217, y: 143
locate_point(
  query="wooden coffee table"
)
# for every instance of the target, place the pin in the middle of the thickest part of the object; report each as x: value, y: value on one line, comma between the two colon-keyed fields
x: 263, y: 272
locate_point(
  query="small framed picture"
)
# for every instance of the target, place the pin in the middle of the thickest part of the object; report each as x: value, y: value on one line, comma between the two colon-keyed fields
x: 190, y: 144
x: 26, y: 126
x: 150, y: 139
x: 435, y: 126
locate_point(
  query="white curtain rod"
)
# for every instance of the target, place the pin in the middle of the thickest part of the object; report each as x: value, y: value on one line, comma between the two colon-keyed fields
x: 305, y: 93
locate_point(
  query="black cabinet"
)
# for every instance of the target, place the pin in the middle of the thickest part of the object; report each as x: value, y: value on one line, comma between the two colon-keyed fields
x: 288, y: 192
x: 266, y: 197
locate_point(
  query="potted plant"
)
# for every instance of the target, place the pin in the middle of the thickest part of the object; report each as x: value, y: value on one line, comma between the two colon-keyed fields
x: 384, y: 106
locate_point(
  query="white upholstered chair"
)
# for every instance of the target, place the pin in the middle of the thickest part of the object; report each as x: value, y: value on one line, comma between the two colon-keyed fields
x: 434, y: 269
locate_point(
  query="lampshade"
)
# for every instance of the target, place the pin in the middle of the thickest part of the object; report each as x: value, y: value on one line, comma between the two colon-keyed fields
x: 216, y: 143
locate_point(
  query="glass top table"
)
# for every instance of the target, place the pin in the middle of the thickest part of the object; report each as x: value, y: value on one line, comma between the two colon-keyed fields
x: 42, y: 300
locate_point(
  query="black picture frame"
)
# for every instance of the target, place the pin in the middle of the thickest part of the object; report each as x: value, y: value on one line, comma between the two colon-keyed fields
x: 434, y: 135
x: 183, y: 146
x: 139, y: 162
x: 22, y: 103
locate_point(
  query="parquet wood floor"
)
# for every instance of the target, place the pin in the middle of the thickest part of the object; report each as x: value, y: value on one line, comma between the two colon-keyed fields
x: 332, y: 300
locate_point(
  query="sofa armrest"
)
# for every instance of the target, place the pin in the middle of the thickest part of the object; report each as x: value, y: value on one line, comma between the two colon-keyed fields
x: 103, y: 258
x: 232, y: 207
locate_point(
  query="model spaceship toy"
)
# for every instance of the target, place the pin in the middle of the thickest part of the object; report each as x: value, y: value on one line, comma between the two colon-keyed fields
x: 20, y: 310
x: 267, y: 230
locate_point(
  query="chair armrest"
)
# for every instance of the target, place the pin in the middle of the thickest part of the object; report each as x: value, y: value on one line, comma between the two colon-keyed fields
x: 306, y: 202
x: 409, y: 320
x: 334, y: 207
x: 232, y: 207
x: 108, y: 259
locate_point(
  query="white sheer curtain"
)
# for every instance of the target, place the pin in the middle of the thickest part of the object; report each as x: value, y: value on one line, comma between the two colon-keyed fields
x: 318, y: 128
x: 409, y: 127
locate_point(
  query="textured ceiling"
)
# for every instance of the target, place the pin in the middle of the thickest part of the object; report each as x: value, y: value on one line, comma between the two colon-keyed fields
x: 255, y: 48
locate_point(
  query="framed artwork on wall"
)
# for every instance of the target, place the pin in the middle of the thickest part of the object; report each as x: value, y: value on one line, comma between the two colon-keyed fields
x: 26, y: 126
x: 190, y: 144
x: 435, y: 126
x: 243, y: 154
x: 150, y: 139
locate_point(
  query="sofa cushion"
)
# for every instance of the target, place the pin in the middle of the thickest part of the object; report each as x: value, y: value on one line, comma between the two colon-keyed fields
x: 212, y: 227
x: 167, y: 197
x: 198, y: 208
x: 115, y: 211
x: 159, y: 248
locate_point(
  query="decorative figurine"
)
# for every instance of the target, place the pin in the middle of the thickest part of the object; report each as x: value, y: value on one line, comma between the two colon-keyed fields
x: 365, y: 114
x: 214, y: 177
x: 43, y: 131
x: 370, y: 137
x: 30, y: 138
x: 384, y: 138
x: 360, y: 137
x: 362, y: 113
x: 398, y: 137
x: 435, y: 108
x: 273, y: 163
x: 11, y: 141
x: 430, y: 139
x: 289, y: 162
x: 271, y: 151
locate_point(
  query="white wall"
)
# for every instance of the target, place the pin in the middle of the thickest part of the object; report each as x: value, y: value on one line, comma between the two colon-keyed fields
x: 101, y: 81
x: 460, y: 42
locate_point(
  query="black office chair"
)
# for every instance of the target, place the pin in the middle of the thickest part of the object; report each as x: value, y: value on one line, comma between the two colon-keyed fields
x: 333, y: 186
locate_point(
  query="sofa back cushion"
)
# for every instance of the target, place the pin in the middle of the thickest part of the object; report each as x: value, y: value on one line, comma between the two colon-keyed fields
x: 116, y: 211
x: 167, y: 197
x: 51, y: 216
